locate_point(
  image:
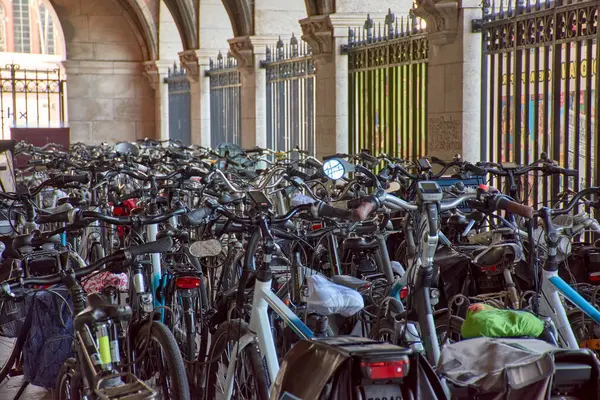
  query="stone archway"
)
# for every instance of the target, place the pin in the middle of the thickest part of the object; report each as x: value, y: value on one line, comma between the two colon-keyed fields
x: 107, y: 42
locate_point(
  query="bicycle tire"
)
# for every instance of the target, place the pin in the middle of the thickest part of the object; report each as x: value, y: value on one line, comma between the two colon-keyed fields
x: 17, y: 348
x: 440, y: 320
x: 162, y: 336
x: 230, y: 332
x: 65, y: 372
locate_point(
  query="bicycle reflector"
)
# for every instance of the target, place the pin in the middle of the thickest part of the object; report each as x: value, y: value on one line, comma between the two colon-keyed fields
x: 188, y: 282
x: 385, y: 370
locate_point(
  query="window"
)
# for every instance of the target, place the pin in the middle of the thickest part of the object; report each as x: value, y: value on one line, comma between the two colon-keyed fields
x: 21, y: 25
x: 46, y: 26
x: 2, y: 28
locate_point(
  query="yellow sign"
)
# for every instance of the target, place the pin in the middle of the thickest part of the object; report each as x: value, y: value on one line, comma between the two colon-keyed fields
x: 542, y: 75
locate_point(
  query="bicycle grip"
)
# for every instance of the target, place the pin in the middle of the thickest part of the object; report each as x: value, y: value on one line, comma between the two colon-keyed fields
x: 514, y: 207
x: 64, y: 179
x: 300, y: 174
x: 357, y: 202
x: 62, y: 217
x: 191, y: 172
x: 368, y: 158
x: 570, y: 172
x: 361, y: 212
x: 312, y: 163
x: 197, y: 217
x: 162, y: 245
x: 327, y: 211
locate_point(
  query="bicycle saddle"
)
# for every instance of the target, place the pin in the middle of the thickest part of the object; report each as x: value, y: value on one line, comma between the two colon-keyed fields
x: 99, y: 309
x: 30, y: 240
x: 360, y: 244
x: 74, y: 201
x: 227, y: 199
x: 349, y: 281
x: 497, y: 255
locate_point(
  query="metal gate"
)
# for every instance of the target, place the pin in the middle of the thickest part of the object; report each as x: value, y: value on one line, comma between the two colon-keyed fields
x: 388, y: 87
x: 290, y: 96
x: 225, y: 101
x: 540, y: 89
x: 180, y: 116
x: 31, y: 98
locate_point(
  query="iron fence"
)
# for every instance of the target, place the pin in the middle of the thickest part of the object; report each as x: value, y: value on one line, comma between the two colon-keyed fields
x: 387, y: 68
x: 180, y: 110
x: 290, y: 96
x: 31, y: 98
x: 225, y: 101
x: 540, y: 89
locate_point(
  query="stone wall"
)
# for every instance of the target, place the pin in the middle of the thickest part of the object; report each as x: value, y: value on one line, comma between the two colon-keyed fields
x: 215, y: 26
x: 278, y: 18
x: 108, y: 98
x: 169, y: 44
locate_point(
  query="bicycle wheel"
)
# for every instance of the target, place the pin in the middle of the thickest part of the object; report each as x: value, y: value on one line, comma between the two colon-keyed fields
x: 250, y: 377
x: 65, y: 389
x: 162, y: 366
x: 447, y: 333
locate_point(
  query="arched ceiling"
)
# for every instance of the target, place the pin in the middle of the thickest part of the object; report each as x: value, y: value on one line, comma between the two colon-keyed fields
x: 319, y: 7
x: 241, y: 14
x: 185, y: 15
x: 141, y: 14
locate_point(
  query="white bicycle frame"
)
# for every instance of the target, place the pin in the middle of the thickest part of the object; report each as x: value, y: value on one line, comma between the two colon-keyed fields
x: 260, y: 328
x: 552, y: 306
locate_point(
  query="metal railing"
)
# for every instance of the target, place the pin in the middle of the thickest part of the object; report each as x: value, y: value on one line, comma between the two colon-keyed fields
x: 540, y: 89
x: 387, y: 69
x: 31, y: 98
x: 290, y: 96
x: 180, y: 107
x: 225, y: 101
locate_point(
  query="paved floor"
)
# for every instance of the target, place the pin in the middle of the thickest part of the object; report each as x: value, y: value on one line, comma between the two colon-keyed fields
x: 10, y: 387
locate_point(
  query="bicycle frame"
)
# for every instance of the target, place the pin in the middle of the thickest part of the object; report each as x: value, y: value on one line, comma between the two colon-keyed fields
x: 260, y: 327
x: 552, y: 306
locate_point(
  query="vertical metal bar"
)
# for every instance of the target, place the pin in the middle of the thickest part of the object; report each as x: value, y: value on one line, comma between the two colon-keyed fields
x: 25, y: 94
x: 517, y: 103
x: 13, y: 77
x: 489, y: 100
x: 536, y: 117
x: 508, y: 135
x: 487, y: 79
x: 577, y: 156
x: 556, y: 106
x: 498, y: 135
x: 37, y: 94
x: 526, y: 135
x: 2, y: 101
x: 549, y: 74
x: 566, y: 137
x: 597, y: 107
x: 424, y: 96
x: 587, y: 106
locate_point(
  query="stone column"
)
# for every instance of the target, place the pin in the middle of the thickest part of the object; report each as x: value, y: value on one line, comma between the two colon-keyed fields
x: 189, y: 61
x: 454, y: 78
x: 196, y: 62
x: 326, y: 34
x: 204, y: 64
x: 249, y: 52
x: 157, y: 72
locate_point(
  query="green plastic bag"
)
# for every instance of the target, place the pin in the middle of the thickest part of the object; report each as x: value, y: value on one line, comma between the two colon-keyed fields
x: 484, y: 320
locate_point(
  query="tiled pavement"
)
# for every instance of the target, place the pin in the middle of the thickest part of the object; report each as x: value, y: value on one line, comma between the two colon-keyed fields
x: 10, y: 387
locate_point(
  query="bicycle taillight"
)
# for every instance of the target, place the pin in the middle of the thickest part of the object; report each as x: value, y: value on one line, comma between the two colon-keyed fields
x: 188, y: 282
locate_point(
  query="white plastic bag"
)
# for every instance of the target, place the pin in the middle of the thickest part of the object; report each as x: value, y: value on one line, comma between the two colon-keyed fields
x: 299, y: 199
x: 326, y: 298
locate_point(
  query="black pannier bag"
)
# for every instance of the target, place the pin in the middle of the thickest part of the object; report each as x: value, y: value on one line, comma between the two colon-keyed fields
x: 348, y: 368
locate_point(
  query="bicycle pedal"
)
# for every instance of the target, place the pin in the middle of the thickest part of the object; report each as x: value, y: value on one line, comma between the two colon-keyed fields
x: 131, y: 388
